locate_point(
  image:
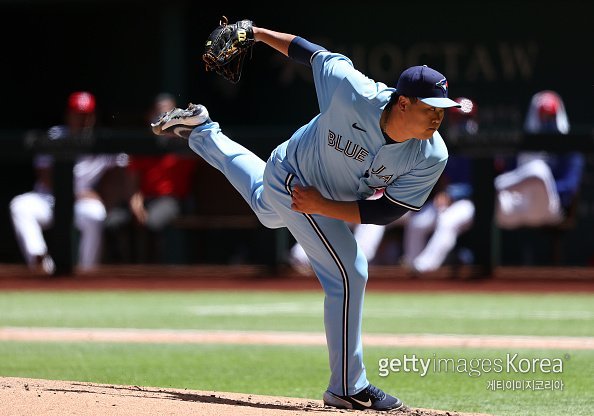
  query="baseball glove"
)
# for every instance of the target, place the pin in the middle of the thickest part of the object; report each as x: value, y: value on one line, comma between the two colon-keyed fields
x: 226, y: 48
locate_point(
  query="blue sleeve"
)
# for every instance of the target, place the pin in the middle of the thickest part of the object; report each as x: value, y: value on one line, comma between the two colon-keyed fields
x: 458, y: 191
x: 302, y: 50
x: 333, y: 70
x: 379, y: 211
x: 568, y: 176
x: 329, y: 69
x: 458, y: 175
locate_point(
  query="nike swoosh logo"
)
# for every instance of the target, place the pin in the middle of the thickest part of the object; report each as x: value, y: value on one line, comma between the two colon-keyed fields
x: 365, y: 404
x: 358, y: 128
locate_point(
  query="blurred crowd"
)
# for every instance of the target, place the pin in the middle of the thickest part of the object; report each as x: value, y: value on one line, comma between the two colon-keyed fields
x: 125, y: 205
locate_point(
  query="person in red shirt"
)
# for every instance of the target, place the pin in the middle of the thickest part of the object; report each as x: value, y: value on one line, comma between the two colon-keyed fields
x: 161, y: 182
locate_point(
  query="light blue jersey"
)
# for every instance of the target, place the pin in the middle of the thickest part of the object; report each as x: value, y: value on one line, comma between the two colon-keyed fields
x: 343, y: 152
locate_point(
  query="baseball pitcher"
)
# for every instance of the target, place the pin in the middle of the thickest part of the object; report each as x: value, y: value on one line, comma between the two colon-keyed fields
x: 367, y: 137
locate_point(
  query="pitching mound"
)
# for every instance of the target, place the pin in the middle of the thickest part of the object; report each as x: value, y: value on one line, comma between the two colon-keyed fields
x: 21, y: 396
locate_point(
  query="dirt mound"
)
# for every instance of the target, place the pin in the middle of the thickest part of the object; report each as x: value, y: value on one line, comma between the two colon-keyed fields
x: 21, y: 396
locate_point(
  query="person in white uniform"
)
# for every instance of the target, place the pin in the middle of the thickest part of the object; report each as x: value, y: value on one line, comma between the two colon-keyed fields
x: 33, y: 212
x: 540, y: 187
x: 431, y: 234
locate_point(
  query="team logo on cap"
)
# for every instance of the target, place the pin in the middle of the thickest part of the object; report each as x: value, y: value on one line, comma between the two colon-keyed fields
x: 443, y: 84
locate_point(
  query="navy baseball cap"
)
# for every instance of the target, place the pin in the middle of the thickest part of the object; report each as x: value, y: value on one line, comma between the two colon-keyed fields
x: 428, y: 85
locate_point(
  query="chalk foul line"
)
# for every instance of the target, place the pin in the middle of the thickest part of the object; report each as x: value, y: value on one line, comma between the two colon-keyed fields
x: 168, y: 336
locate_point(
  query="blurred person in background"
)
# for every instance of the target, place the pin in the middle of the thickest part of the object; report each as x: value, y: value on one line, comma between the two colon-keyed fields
x: 33, y: 212
x: 431, y: 234
x: 537, y: 188
x: 160, y: 190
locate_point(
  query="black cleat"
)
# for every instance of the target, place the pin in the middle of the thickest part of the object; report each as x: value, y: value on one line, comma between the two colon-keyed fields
x: 370, y: 397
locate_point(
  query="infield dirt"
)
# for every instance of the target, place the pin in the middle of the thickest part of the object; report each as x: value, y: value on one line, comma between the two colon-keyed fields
x: 22, y: 396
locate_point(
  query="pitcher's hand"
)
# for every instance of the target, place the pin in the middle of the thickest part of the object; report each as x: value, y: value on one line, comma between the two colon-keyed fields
x: 307, y: 199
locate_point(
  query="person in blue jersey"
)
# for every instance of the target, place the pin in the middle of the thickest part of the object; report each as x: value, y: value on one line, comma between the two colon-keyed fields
x: 367, y: 139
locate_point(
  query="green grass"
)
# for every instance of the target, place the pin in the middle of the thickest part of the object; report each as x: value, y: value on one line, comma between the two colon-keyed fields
x: 303, y: 371
x: 570, y: 315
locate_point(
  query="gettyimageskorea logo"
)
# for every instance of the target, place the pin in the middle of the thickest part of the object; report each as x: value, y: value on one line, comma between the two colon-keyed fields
x: 510, y: 364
